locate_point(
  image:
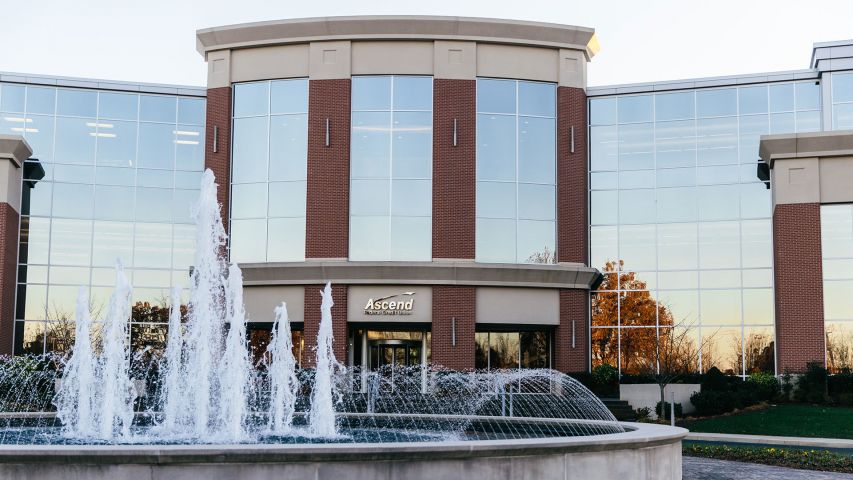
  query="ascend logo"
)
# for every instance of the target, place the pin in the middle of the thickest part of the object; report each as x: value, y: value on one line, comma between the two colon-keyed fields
x: 385, y: 306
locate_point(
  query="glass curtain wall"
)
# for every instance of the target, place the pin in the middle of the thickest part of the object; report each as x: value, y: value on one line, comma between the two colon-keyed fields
x: 842, y: 101
x: 680, y: 225
x: 516, y: 171
x: 391, y: 169
x: 121, y: 171
x: 269, y: 171
x: 837, y: 249
x: 502, y: 350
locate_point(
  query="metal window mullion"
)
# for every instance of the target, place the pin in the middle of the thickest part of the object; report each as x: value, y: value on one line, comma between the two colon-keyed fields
x: 390, y: 166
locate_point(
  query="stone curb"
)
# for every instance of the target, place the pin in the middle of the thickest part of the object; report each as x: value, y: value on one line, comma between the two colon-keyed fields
x: 771, y: 440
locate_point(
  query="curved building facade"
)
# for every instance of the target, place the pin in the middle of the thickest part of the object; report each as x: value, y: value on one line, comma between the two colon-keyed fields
x: 433, y: 169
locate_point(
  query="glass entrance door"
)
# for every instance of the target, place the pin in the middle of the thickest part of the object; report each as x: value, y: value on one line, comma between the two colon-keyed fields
x: 394, y: 353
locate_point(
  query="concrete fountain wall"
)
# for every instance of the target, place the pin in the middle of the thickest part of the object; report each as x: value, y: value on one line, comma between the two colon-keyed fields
x: 645, y: 451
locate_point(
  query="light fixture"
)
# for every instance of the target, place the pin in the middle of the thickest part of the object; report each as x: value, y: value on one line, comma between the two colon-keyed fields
x: 99, y: 125
x: 186, y: 142
x: 25, y: 130
x: 18, y: 119
x: 102, y: 134
x: 188, y: 133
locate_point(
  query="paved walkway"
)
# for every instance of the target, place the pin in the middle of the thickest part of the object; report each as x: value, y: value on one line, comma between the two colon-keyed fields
x: 696, y: 468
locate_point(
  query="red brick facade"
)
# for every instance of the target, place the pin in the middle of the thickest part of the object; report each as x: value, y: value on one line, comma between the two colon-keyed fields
x: 454, y: 168
x: 219, y: 116
x: 799, y: 286
x: 571, y: 176
x: 327, y: 215
x: 313, y: 301
x: 574, y: 311
x: 9, y: 222
x: 449, y: 302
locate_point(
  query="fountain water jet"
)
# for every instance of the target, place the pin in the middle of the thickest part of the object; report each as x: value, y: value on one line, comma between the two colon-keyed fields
x: 172, y: 382
x: 281, y: 369
x: 321, y: 417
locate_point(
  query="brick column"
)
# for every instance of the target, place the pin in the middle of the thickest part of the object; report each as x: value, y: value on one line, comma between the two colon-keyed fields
x: 9, y: 223
x: 799, y: 286
x: 574, y: 311
x: 219, y: 161
x: 454, y: 168
x: 449, y: 302
x: 312, y: 323
x: 327, y: 215
x: 572, y: 225
x: 14, y: 150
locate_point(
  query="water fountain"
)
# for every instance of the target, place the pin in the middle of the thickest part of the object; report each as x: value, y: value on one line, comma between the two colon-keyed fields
x: 208, y: 406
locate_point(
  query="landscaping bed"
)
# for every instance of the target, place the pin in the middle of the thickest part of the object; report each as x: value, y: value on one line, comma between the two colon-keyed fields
x: 803, y: 459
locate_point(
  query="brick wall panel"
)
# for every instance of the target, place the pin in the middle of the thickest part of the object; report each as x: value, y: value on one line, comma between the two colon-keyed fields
x: 449, y: 302
x: 9, y: 223
x: 454, y: 169
x: 571, y: 176
x: 574, y: 308
x: 219, y: 116
x: 327, y: 215
x: 313, y: 300
x: 798, y: 286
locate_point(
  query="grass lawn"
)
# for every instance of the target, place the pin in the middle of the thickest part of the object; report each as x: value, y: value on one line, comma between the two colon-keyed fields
x: 783, y: 420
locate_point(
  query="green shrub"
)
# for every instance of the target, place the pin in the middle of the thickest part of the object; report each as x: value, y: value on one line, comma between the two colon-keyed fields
x: 667, y: 410
x: 712, y: 402
x: 643, y: 413
x: 715, y: 381
x: 605, y: 374
x: 766, y: 386
x: 812, y: 386
x: 840, y: 383
x: 844, y: 399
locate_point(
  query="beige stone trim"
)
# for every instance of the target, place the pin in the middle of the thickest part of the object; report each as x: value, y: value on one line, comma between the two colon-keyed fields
x: 509, y: 61
x: 518, y: 306
x: 400, y: 58
x: 219, y: 69
x: 482, y: 30
x: 14, y: 150
x: 455, y: 60
x: 283, y: 61
x: 421, y: 273
x: 261, y: 302
x: 330, y: 60
x: 810, y: 167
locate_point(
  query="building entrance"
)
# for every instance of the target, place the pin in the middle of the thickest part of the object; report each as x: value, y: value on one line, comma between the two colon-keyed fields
x: 394, y: 353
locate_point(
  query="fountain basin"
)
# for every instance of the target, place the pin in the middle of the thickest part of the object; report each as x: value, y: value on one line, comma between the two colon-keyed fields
x: 643, y: 451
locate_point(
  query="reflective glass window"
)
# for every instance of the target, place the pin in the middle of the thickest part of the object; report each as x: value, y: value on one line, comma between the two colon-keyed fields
x: 516, y: 169
x: 391, y: 169
x: 269, y: 171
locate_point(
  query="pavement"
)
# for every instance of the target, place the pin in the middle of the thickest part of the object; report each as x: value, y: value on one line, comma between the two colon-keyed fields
x: 695, y: 468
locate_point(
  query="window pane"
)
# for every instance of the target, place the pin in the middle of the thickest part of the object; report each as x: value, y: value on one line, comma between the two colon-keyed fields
x: 287, y: 199
x: 536, y: 150
x: 496, y: 96
x: 717, y: 141
x: 288, y: 147
x: 637, y: 206
x: 248, y: 240
x: 369, y: 238
x: 286, y: 240
x: 503, y: 350
x: 113, y: 203
x: 412, y: 145
x: 157, y: 108
x: 839, y: 346
x: 70, y: 242
x: 782, y: 97
x: 370, y: 197
x: 752, y: 99
x: 604, y: 207
x: 191, y: 111
x: 718, y: 245
x: 536, y: 202
x: 72, y: 200
x: 75, y: 141
x: 250, y: 150
x: 251, y: 99
x: 156, y: 145
x: 158, y: 203
x: 534, y: 239
x: 117, y: 144
x: 677, y: 246
x: 288, y: 96
x: 537, y: 99
x: 496, y: 147
x: 675, y: 144
x: 602, y: 111
x: 249, y: 200
x: 637, y: 247
x: 122, y: 106
x: 716, y: 103
x: 12, y: 98
x: 77, y: 103
x: 636, y: 147
x: 371, y: 145
x: 411, y: 198
x: 495, y: 240
x: 41, y: 100
x: 604, y: 149
x: 411, y: 239
x: 635, y: 108
x: 674, y: 106
x: 808, y: 96
x: 498, y: 200
x: 412, y: 93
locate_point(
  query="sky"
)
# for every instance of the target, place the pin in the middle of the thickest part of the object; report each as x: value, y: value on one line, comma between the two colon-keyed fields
x: 641, y: 40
